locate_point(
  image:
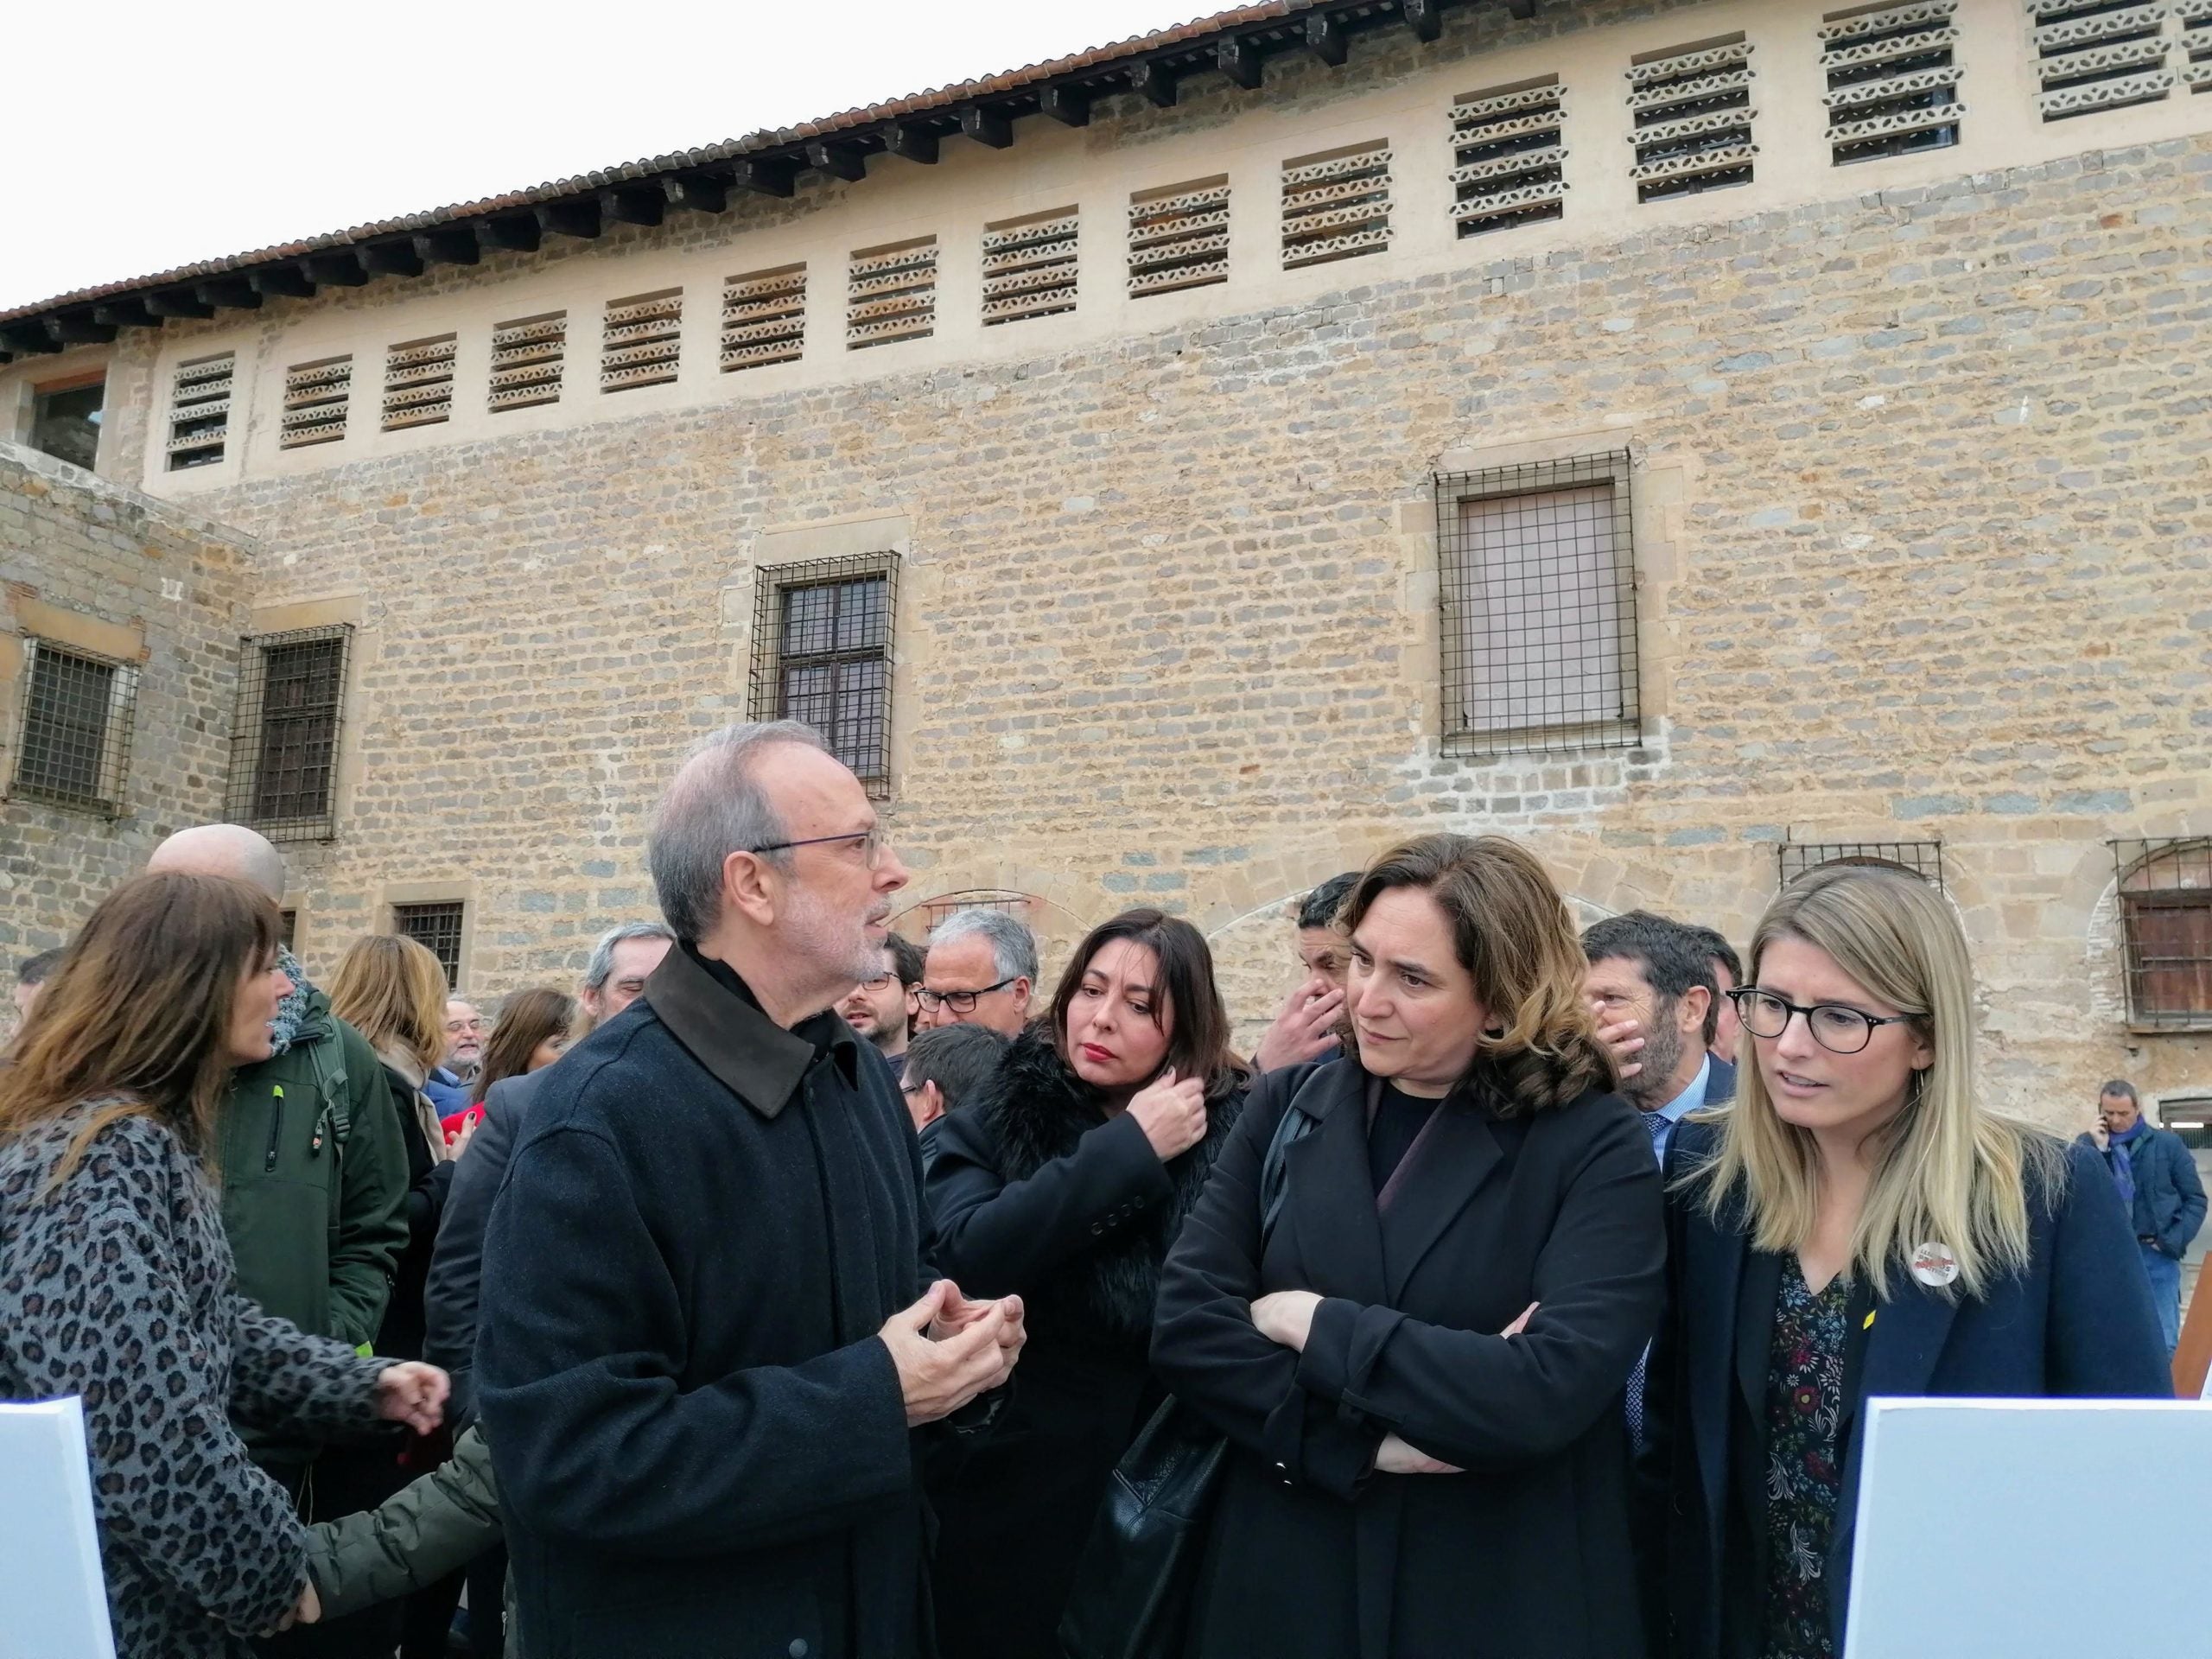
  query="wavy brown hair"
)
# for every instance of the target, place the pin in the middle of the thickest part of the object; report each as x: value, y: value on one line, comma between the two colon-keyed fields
x: 1197, y: 1044
x: 140, y: 1009
x: 526, y: 1019
x: 393, y: 991
x: 1511, y: 931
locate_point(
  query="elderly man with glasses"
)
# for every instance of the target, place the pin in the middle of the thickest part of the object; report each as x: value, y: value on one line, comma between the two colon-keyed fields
x: 982, y: 970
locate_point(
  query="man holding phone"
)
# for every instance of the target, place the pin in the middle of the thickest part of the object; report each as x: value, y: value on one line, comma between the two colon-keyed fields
x: 2156, y: 1176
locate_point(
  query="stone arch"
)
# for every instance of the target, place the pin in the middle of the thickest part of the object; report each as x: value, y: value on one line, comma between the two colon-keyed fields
x: 1059, y: 928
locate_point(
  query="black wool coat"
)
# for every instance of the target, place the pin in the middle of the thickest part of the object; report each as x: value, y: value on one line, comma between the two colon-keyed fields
x: 700, y: 1441
x: 1527, y: 1555
x: 1035, y: 1191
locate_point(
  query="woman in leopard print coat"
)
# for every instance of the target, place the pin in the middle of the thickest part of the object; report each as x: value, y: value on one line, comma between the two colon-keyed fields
x: 116, y: 1278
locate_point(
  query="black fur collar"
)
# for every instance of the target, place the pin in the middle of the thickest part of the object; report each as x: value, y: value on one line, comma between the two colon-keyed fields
x: 1037, y: 1109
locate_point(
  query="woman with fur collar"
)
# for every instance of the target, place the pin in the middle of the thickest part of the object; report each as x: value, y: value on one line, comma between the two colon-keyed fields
x: 1064, y: 1181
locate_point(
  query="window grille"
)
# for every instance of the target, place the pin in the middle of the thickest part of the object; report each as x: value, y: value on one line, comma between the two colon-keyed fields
x: 315, y: 398
x: 2189, y: 1116
x: 2094, y: 54
x: 1178, y: 237
x: 65, y: 422
x: 200, y: 411
x: 284, y: 739
x: 436, y: 927
x: 891, y: 294
x: 764, y: 318
x: 1538, y: 587
x: 822, y: 634
x: 1893, y: 80
x: 1336, y: 207
x: 2195, y: 18
x: 1691, y: 115
x: 418, y: 383
x: 641, y: 341
x: 74, y: 744
x: 1922, y: 858
x: 1029, y: 267
x: 528, y: 359
x: 1508, y: 157
x: 2165, y: 919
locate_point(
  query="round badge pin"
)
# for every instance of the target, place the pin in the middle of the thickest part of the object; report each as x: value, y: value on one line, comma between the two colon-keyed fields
x: 1935, y: 1264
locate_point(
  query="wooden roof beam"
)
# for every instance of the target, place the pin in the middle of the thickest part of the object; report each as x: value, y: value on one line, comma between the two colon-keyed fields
x: 571, y: 218
x: 1327, y: 39
x: 838, y: 161
x: 631, y: 204
x: 516, y: 233
x: 911, y: 143
x: 79, y: 330
x: 1068, y: 105
x: 454, y: 245
x: 696, y: 192
x: 340, y: 269
x: 391, y: 258
x: 233, y: 293
x: 1424, y: 17
x: 1156, y: 81
x: 1240, y: 60
x: 769, y: 176
x: 126, y: 314
x: 174, y: 303
x: 289, y: 281
x: 27, y: 338
x: 988, y: 126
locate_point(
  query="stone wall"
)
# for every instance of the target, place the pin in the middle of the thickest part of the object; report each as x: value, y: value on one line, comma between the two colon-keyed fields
x: 1922, y: 531
x: 137, y: 580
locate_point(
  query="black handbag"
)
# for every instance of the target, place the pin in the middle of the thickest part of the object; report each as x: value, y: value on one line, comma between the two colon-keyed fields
x: 1133, y: 1587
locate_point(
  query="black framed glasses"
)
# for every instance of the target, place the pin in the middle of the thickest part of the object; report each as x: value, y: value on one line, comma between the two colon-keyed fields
x: 875, y: 841
x: 960, y: 1001
x: 1839, y: 1029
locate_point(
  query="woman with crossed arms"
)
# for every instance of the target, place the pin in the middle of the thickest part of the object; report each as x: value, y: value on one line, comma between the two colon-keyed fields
x: 1465, y: 1265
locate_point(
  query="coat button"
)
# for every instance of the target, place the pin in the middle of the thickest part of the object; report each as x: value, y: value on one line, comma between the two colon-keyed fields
x: 799, y: 1647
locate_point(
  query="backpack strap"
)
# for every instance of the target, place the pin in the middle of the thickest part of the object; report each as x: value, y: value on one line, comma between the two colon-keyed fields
x: 330, y: 1083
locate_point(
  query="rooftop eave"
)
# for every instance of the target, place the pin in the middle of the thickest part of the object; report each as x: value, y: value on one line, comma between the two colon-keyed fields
x: 1238, y: 44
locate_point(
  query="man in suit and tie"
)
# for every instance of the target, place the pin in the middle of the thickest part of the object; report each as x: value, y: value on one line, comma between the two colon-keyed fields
x: 1651, y: 978
x: 1655, y: 972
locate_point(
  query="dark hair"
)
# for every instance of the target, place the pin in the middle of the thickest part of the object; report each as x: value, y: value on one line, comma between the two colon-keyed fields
x: 1672, y: 955
x: 526, y: 1019
x: 906, y: 959
x: 139, y: 1010
x: 1199, y: 1045
x: 33, y: 970
x: 1324, y: 907
x: 955, y: 1057
x: 1511, y: 933
x: 2123, y: 1087
x: 1716, y: 948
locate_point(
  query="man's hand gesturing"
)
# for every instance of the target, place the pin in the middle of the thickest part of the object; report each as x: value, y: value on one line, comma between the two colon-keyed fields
x: 949, y: 1350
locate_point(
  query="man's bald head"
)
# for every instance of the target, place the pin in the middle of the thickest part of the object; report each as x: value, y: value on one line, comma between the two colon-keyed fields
x: 228, y: 849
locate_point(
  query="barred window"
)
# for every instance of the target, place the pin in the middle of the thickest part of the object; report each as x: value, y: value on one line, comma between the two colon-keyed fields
x: 284, y: 739
x: 2165, y: 918
x: 1020, y: 906
x: 436, y: 927
x: 1922, y: 858
x: 1537, y: 569
x: 287, y: 928
x: 821, y: 654
x: 74, y: 743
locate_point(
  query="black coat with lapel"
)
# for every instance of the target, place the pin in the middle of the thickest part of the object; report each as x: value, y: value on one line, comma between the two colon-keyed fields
x: 701, y: 1443
x: 1527, y: 1555
x: 1035, y: 1191
x: 2076, y: 1323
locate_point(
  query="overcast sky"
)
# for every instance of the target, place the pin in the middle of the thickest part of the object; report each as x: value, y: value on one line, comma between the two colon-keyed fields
x: 156, y: 135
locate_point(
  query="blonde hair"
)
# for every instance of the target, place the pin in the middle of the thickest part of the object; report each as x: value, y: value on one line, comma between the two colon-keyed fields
x: 1948, y: 1170
x: 1511, y: 931
x: 393, y: 992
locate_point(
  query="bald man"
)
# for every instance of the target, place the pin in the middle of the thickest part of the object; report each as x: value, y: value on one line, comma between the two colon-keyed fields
x: 314, y: 1173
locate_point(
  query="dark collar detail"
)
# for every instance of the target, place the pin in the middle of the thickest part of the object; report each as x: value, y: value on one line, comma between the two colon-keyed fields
x: 714, y: 1013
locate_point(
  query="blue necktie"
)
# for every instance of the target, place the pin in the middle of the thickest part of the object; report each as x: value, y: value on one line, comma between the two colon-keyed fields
x: 1655, y: 1125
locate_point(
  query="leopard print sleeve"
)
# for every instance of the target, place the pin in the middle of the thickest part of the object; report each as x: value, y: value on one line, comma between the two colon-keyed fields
x: 173, y: 1488
x: 285, y: 1380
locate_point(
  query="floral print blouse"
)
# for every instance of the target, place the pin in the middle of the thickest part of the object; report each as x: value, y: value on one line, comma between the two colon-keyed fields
x: 1804, y: 1477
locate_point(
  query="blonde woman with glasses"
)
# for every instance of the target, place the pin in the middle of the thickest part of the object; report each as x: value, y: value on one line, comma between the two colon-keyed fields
x: 1859, y: 1223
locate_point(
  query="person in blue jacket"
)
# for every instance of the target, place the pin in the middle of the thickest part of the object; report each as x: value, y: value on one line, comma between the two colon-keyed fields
x: 2155, y: 1177
x: 1859, y: 1224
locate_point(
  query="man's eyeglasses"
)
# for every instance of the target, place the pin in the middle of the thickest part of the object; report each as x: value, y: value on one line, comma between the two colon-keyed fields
x: 960, y: 1001
x: 1837, y: 1029
x: 875, y: 841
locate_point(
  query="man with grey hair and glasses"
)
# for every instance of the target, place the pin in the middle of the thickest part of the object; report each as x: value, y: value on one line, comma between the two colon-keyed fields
x: 707, y: 1329
x: 614, y: 978
x: 981, y: 970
